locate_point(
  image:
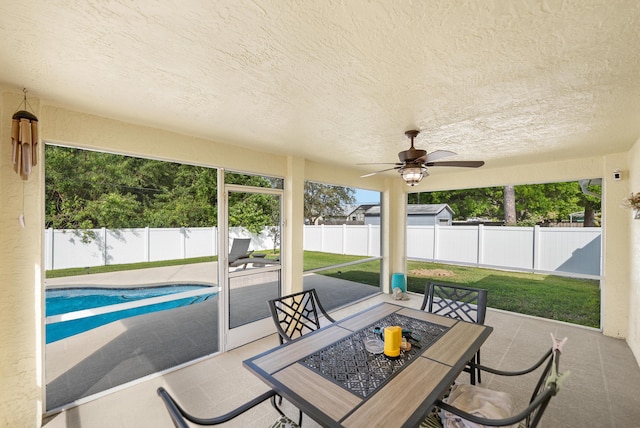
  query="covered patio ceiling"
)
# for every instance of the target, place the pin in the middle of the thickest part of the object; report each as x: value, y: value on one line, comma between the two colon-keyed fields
x: 338, y: 82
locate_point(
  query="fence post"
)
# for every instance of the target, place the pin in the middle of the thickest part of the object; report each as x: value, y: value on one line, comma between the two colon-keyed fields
x: 535, y: 263
x: 104, y: 246
x: 344, y: 239
x: 183, y: 243
x: 480, y: 254
x: 369, y: 232
x: 436, y: 239
x: 147, y: 245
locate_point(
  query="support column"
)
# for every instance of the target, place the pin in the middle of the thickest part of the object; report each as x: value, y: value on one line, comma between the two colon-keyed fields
x: 293, y: 228
x: 394, y: 238
x: 616, y: 226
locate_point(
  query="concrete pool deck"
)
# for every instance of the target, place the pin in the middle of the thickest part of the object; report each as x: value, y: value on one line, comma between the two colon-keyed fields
x: 122, y: 351
x: 202, y: 273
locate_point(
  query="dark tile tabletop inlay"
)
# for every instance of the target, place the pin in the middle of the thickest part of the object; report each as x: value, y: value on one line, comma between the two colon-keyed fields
x: 351, y: 366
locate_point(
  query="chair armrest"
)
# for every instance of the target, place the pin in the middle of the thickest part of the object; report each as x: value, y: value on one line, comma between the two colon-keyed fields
x: 178, y: 414
x: 172, y: 407
x: 327, y: 316
x: 518, y: 372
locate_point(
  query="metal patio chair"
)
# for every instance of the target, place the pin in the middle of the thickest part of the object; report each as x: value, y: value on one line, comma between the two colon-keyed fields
x: 547, y: 387
x: 179, y: 416
x: 297, y: 314
x: 463, y: 303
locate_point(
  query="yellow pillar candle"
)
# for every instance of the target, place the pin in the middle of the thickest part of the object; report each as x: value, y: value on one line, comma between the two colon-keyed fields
x: 392, y: 340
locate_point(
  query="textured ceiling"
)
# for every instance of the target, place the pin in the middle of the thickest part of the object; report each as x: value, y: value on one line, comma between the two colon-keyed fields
x: 340, y: 81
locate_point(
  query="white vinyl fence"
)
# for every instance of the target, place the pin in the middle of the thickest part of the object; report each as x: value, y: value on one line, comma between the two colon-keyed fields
x: 536, y: 249
x: 99, y: 247
x: 355, y: 240
x: 571, y: 251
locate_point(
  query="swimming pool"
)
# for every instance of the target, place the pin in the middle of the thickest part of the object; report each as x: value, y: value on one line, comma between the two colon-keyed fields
x: 64, y: 300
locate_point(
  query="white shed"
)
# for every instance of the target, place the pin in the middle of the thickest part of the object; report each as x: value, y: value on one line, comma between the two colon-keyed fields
x: 417, y: 215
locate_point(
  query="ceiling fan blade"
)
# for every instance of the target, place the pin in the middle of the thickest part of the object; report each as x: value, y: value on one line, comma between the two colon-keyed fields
x: 438, y: 154
x: 464, y: 164
x: 378, y: 172
x: 381, y: 163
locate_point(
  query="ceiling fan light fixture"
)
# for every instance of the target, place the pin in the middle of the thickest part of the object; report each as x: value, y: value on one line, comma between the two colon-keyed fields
x: 413, y: 174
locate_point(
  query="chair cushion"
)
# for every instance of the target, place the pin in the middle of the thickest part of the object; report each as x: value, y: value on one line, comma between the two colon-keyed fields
x: 472, y: 399
x: 284, y: 422
x: 433, y: 420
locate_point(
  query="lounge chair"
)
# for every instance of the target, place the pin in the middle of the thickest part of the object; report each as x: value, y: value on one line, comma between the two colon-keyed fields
x: 239, y: 249
x: 240, y: 255
x: 255, y: 260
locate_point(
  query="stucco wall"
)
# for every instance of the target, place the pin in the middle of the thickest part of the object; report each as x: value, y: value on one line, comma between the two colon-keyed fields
x: 633, y: 337
x: 21, y: 338
x: 618, y: 261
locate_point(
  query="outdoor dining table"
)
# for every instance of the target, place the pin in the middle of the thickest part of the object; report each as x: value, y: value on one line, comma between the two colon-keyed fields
x: 332, y: 378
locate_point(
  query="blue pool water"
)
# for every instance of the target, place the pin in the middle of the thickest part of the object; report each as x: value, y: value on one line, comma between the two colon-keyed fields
x: 63, y: 300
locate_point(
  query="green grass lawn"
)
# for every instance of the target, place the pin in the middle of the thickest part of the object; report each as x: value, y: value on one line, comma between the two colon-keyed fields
x: 576, y: 301
x: 572, y: 300
x: 554, y: 297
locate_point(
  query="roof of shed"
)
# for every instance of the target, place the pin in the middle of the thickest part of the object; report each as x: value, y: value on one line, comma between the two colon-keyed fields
x: 415, y: 209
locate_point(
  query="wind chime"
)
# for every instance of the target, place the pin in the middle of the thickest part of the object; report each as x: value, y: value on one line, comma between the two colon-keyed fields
x: 24, y: 138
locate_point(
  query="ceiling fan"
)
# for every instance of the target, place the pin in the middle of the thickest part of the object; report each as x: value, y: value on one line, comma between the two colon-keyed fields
x: 414, y: 162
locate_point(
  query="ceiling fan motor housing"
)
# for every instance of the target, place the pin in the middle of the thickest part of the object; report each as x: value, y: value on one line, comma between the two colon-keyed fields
x: 411, y: 155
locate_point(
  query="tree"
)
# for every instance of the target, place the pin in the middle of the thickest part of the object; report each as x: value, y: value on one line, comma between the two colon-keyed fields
x: 509, y: 205
x: 325, y: 200
x: 530, y: 204
x: 87, y: 189
x: 188, y: 197
x: 549, y: 202
x: 482, y: 202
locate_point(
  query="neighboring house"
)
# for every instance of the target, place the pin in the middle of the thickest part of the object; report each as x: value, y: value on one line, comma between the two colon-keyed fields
x: 343, y: 216
x: 417, y: 215
x: 357, y: 215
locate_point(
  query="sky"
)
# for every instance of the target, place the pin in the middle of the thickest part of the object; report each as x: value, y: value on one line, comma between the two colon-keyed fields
x: 367, y: 197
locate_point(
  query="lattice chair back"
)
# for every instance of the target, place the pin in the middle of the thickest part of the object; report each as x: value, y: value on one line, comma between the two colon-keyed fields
x: 297, y: 314
x: 462, y: 303
x: 456, y: 301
